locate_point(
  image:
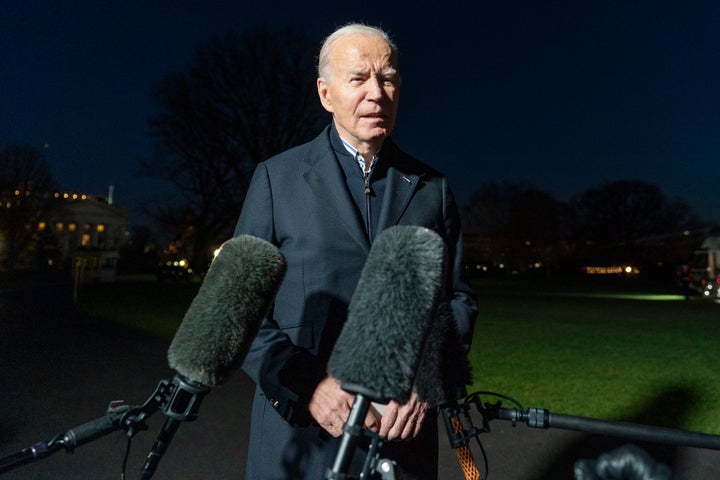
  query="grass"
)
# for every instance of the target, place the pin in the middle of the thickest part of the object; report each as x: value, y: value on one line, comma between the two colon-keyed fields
x: 601, y: 354
x: 608, y: 350
x: 140, y: 302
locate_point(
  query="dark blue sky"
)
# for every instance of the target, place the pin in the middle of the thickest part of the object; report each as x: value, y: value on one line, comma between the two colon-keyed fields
x: 564, y: 95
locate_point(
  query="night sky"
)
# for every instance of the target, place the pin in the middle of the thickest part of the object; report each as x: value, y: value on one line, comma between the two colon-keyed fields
x: 563, y: 95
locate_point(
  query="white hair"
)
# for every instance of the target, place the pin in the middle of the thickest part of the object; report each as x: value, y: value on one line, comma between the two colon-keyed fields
x: 344, y: 31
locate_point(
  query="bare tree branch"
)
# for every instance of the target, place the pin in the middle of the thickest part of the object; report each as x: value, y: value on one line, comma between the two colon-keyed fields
x: 244, y: 98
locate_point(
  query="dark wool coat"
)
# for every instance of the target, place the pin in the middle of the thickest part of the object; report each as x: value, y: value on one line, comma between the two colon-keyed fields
x: 301, y: 201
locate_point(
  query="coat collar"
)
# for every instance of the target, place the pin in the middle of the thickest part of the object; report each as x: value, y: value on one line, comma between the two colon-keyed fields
x: 325, y: 177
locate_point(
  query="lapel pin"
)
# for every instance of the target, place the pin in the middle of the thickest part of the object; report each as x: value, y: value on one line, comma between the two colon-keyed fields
x: 406, y: 179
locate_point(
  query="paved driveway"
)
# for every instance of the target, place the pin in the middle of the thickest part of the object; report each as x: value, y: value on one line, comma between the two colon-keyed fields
x: 59, y: 370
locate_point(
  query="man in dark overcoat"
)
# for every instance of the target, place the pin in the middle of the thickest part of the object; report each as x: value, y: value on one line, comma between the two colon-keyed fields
x: 323, y: 203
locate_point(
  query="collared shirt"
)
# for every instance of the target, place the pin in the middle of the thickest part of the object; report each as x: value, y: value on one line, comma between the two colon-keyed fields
x: 358, y: 157
x: 367, y: 189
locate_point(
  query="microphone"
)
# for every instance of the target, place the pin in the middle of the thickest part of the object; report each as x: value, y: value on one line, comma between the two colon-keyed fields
x: 378, y: 351
x: 441, y: 380
x: 217, y: 329
x: 444, y: 369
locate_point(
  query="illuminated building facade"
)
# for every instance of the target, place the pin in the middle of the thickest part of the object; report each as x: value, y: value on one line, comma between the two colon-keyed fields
x: 89, y: 232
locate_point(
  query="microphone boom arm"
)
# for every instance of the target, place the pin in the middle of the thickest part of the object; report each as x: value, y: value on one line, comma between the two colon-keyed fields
x: 179, y: 399
x: 544, y: 419
x: 74, y: 437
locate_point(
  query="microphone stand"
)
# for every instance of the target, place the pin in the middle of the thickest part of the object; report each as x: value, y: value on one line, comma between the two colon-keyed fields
x: 540, y: 418
x: 351, y: 434
x: 544, y: 419
x: 113, y: 420
x: 178, y: 398
x: 353, y: 430
x: 118, y: 416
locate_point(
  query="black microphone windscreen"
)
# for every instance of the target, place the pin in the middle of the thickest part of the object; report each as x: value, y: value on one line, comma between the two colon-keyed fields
x: 378, y: 350
x: 444, y: 369
x: 225, y: 315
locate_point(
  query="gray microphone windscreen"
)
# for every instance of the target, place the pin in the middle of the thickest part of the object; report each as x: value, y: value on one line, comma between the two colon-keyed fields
x: 224, y: 317
x: 378, y: 350
x: 444, y: 369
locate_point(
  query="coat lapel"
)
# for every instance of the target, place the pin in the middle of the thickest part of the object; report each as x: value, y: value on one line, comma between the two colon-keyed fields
x: 327, y: 180
x: 398, y: 192
x: 403, y: 179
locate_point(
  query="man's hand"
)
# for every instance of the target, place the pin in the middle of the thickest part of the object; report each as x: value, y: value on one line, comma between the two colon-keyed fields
x: 403, y: 422
x: 330, y: 406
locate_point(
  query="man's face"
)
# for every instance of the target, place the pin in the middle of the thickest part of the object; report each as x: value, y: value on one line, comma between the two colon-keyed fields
x: 362, y: 90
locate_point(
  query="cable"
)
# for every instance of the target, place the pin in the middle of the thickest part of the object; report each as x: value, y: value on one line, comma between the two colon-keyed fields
x: 127, y: 455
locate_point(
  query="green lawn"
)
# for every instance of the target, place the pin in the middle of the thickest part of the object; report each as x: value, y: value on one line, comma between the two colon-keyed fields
x: 140, y: 302
x: 610, y: 353
x: 610, y: 350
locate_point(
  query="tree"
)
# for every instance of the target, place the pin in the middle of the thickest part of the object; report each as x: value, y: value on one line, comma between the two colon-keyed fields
x: 513, y: 223
x: 26, y: 188
x: 611, y: 221
x: 243, y: 99
x: 139, y: 253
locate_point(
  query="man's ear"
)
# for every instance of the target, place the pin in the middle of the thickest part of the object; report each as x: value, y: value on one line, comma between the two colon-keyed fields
x: 324, y: 94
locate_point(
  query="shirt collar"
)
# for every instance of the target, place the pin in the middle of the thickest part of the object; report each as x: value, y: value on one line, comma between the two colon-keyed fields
x: 356, y: 155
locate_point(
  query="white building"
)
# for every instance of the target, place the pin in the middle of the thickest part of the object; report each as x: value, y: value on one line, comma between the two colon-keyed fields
x: 711, y: 247
x: 89, y: 232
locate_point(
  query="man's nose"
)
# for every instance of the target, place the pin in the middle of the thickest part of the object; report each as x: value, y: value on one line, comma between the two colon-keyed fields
x: 374, y: 88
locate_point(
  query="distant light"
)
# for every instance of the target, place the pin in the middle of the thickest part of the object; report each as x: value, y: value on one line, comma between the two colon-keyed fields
x: 216, y: 252
x: 686, y: 232
x: 611, y: 270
